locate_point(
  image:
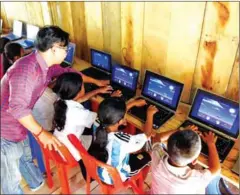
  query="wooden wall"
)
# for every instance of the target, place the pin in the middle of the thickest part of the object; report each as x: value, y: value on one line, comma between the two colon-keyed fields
x: 196, y: 43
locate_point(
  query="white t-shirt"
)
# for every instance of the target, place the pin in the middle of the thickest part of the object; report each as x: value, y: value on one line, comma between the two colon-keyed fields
x: 77, y: 118
x: 43, y: 110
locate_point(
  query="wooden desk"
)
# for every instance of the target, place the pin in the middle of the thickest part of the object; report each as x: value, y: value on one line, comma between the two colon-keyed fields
x: 174, y: 123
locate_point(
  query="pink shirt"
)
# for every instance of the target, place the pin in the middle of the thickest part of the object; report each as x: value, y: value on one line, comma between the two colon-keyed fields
x: 168, y: 179
x: 21, y: 86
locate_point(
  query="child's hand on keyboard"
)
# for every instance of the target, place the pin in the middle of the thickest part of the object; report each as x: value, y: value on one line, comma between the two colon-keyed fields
x: 117, y: 93
x: 102, y: 83
x: 193, y: 128
x: 107, y: 89
x: 209, y: 138
x: 140, y: 102
x: 152, y: 110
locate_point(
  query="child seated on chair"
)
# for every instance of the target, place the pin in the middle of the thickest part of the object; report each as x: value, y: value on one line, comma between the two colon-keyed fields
x: 115, y: 147
x: 10, y: 54
x: 70, y: 117
x: 171, y: 172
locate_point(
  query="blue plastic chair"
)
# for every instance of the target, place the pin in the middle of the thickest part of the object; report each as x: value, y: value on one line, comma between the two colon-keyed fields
x: 36, y: 152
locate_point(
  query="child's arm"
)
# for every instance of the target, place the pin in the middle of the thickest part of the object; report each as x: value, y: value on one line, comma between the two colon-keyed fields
x: 213, y: 159
x: 100, y: 83
x: 149, y: 122
x: 137, y: 103
x: 87, y: 96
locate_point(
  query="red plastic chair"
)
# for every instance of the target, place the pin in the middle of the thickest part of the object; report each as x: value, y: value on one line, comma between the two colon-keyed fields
x: 63, y: 165
x: 91, y: 164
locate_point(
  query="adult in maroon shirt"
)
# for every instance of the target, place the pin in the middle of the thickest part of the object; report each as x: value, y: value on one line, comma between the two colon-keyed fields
x: 21, y: 87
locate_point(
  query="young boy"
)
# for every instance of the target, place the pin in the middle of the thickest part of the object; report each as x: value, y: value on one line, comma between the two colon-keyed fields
x: 170, y: 171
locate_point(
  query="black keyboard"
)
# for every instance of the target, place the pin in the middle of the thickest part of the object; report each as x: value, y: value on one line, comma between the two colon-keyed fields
x: 159, y: 118
x: 90, y: 87
x: 96, y: 74
x: 223, y: 144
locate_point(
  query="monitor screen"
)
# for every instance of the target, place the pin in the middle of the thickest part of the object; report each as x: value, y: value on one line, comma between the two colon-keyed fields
x: 125, y: 76
x: 101, y: 60
x: 217, y: 112
x: 70, y: 53
x: 162, y: 90
x: 32, y: 31
x: 17, y: 28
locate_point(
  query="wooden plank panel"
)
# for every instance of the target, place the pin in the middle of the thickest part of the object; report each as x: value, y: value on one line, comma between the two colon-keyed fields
x: 93, y: 16
x: 111, y: 16
x: 34, y: 11
x: 233, y: 87
x: 132, y: 33
x: 46, y: 13
x: 15, y: 10
x: 218, y: 47
x: 79, y: 30
x: 62, y: 16
x: 157, y: 17
x: 5, y: 24
x: 183, y: 43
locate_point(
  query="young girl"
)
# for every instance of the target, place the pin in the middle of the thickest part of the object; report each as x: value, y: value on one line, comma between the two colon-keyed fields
x: 70, y: 117
x: 116, y: 148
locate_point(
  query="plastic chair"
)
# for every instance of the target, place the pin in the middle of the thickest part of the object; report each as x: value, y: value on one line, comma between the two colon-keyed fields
x: 63, y: 165
x: 91, y: 164
x: 36, y: 152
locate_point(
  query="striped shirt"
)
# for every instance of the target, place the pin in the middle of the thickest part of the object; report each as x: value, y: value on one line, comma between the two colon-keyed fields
x: 119, y: 146
x: 21, y: 86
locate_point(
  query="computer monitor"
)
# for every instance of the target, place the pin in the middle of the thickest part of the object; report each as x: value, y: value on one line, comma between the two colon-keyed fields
x: 17, y: 28
x: 32, y: 31
x: 70, y: 53
x: 162, y: 90
x: 101, y: 60
x: 125, y: 76
x: 217, y: 112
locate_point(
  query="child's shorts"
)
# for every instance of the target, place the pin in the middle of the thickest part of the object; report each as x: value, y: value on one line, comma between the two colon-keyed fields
x: 139, y: 161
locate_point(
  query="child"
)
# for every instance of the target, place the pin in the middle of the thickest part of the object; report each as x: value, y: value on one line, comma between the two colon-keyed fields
x: 170, y: 171
x: 116, y: 148
x: 9, y: 53
x: 12, y: 52
x: 70, y: 116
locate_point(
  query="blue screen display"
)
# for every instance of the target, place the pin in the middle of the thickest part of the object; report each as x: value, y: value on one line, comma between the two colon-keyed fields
x: 70, y: 53
x: 162, y: 90
x: 216, y: 112
x: 124, y: 76
x: 101, y: 60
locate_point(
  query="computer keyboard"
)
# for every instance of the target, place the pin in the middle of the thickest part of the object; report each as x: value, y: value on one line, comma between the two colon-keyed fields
x: 97, y: 74
x: 90, y: 87
x: 223, y: 144
x: 158, y: 119
x: 123, y: 97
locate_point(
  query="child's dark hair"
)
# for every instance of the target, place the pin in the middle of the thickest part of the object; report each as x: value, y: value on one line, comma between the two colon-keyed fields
x: 67, y: 87
x: 11, y: 50
x: 110, y: 112
x: 3, y: 42
x: 49, y: 35
x: 184, y: 147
